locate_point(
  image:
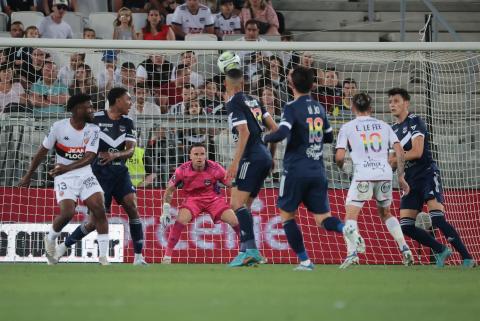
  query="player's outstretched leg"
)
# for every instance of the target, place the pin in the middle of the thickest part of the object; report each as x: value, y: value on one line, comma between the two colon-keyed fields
x: 184, y: 217
x: 393, y: 226
x: 67, y: 211
x: 452, y: 236
x: 129, y: 204
x: 353, y: 239
x: 421, y: 236
x: 295, y: 240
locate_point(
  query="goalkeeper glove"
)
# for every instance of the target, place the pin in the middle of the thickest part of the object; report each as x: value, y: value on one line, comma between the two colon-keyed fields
x: 166, y: 217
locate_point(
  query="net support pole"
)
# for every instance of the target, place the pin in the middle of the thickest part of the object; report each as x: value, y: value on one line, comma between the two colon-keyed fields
x: 442, y: 20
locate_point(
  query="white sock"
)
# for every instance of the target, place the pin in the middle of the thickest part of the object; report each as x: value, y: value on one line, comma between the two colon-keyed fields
x: 102, y: 240
x: 395, y: 230
x: 52, y: 235
x: 351, y: 224
x: 138, y: 256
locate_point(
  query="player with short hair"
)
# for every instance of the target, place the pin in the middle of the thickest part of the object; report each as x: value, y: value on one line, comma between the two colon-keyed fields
x: 252, y: 161
x: 76, y: 141
x: 368, y: 140
x: 305, y: 124
x: 117, y: 144
x: 199, y: 179
x: 423, y: 176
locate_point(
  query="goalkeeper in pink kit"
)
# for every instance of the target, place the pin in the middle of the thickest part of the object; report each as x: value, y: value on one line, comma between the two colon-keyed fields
x: 199, y: 180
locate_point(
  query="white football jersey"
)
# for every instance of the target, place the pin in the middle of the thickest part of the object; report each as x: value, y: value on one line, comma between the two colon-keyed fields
x: 192, y: 23
x: 71, y: 144
x: 227, y: 26
x: 368, y: 140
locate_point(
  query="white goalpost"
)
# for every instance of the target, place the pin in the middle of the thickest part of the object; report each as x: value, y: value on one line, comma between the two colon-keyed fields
x: 442, y: 78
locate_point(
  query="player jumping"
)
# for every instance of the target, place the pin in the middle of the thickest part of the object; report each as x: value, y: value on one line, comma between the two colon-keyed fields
x: 199, y: 180
x: 368, y: 141
x: 76, y: 143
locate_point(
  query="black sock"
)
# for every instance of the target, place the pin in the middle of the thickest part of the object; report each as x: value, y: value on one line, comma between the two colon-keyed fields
x: 439, y: 221
x: 79, y: 233
x: 245, y: 221
x: 420, y: 235
x: 334, y: 224
x: 295, y: 239
x: 136, y: 232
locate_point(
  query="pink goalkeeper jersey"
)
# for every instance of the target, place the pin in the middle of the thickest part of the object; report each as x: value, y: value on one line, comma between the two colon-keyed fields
x: 199, y: 184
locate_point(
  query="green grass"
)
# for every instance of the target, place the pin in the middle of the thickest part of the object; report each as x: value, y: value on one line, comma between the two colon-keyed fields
x: 73, y: 292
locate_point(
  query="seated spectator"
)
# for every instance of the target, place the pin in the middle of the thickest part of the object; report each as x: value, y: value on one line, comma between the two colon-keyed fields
x: 212, y: 102
x: 349, y: 89
x: 155, y: 29
x: 330, y: 95
x: 48, y: 95
x: 53, y: 26
x: 190, y: 18
x: 12, y: 94
x: 110, y: 74
x: 167, y: 7
x: 31, y: 69
x: 301, y: 59
x: 227, y: 23
x: 10, y: 6
x: 173, y: 89
x: 155, y: 71
x: 67, y: 72
x: 142, y: 106
x: 252, y: 33
x: 46, y: 6
x: 269, y: 99
x: 16, y: 31
x: 24, y: 53
x: 264, y: 13
x: 127, y: 78
x: 189, y: 92
x: 161, y: 101
x: 135, y: 5
x: 89, y: 33
x: 123, y: 25
x: 32, y: 32
x: 275, y: 73
x: 194, y: 134
x: 189, y: 59
x: 85, y: 83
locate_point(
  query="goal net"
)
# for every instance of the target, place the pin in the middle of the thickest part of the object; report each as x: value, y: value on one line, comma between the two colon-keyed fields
x: 176, y: 106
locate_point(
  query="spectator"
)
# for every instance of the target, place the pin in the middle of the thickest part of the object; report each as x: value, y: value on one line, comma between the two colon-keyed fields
x: 189, y: 92
x: 85, y: 83
x: 12, y: 94
x: 46, y: 6
x: 212, y: 102
x: 301, y: 59
x: 349, y: 89
x: 161, y: 101
x: 155, y: 70
x: 227, y: 23
x: 190, y: 18
x: 67, y: 72
x: 189, y: 59
x: 31, y: 69
x: 48, y: 95
x: 269, y: 99
x: 330, y: 95
x: 110, y: 74
x: 53, y: 25
x: 252, y: 33
x: 123, y: 25
x: 173, y: 89
x: 195, y: 133
x: 275, y: 73
x: 264, y: 13
x: 24, y: 53
x: 136, y: 5
x: 32, y: 32
x: 142, y: 106
x: 128, y: 77
x: 16, y: 29
x: 155, y: 29
x: 10, y: 6
x: 89, y: 33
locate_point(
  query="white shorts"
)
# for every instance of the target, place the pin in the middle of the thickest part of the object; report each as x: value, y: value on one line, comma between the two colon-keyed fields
x: 76, y: 187
x: 361, y: 191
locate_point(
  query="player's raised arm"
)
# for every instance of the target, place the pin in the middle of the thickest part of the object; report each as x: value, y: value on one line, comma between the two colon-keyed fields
x: 283, y: 130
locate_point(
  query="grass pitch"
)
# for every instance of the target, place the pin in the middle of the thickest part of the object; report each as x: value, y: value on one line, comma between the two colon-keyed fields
x: 215, y: 292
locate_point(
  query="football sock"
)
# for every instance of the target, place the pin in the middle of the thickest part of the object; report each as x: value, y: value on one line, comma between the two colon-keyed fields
x: 420, y: 235
x: 295, y: 239
x: 52, y: 235
x: 102, y: 240
x: 79, y: 233
x: 245, y: 221
x: 452, y: 236
x: 136, y: 232
x: 351, y: 224
x: 236, y: 228
x: 333, y: 223
x: 395, y: 230
x: 173, y: 237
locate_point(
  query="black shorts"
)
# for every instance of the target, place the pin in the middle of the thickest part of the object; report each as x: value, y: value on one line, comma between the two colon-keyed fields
x: 115, y: 185
x: 252, y: 174
x: 422, y: 190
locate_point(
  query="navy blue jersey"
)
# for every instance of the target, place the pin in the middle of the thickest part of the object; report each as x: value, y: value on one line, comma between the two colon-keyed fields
x: 307, y: 120
x: 113, y: 135
x: 244, y: 109
x: 406, y: 131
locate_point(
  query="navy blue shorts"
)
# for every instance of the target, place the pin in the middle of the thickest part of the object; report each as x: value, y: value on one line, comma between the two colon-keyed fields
x: 312, y: 191
x: 422, y: 190
x: 252, y: 174
x: 115, y: 185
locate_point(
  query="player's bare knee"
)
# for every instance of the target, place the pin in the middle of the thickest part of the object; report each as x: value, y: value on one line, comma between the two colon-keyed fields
x: 383, y: 211
x: 319, y: 218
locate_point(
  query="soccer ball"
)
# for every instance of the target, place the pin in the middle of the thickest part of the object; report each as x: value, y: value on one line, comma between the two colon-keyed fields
x: 228, y: 60
x: 423, y: 221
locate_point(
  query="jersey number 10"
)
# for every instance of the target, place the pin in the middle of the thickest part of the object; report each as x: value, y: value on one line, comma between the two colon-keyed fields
x: 374, y: 142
